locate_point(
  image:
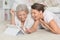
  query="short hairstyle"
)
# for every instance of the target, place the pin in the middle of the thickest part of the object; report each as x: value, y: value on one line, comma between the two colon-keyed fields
x: 22, y: 7
x: 37, y: 6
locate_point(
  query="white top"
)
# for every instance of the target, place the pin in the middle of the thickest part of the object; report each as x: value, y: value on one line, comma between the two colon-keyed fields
x: 48, y: 16
x: 28, y: 23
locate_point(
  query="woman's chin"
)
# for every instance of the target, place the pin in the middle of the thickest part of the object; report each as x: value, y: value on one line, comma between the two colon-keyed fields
x: 36, y: 19
x: 22, y: 20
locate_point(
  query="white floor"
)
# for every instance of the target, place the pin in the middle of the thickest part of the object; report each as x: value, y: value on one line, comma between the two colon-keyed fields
x: 39, y: 35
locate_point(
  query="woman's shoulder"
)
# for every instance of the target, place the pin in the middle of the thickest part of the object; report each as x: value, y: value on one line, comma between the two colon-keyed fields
x: 47, y: 12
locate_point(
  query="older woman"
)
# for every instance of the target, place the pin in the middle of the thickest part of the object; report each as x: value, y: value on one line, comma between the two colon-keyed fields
x: 22, y: 18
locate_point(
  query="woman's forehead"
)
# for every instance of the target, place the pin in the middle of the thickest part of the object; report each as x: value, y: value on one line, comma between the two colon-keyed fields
x: 22, y: 12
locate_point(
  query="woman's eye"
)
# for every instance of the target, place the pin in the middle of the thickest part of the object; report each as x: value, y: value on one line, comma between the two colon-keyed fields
x: 23, y: 14
x: 34, y: 13
x: 19, y: 15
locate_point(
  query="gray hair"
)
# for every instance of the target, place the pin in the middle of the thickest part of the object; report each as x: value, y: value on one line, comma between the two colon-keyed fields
x: 22, y: 7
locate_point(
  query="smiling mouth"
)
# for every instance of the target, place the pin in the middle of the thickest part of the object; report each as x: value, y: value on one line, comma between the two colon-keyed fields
x: 35, y: 18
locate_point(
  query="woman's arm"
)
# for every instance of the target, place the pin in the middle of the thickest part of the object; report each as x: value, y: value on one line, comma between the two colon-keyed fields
x: 33, y: 28
x: 54, y: 26
x: 12, y: 16
x: 47, y: 25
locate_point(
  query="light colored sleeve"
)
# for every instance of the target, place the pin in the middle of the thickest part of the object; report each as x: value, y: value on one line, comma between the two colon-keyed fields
x: 49, y: 16
x: 29, y: 22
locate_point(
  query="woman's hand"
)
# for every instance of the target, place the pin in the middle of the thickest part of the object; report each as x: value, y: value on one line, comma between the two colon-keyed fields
x: 28, y: 31
x: 12, y: 12
x: 42, y: 22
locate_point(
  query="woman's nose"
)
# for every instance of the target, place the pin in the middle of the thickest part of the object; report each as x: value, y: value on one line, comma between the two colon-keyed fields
x: 35, y: 15
x: 22, y: 17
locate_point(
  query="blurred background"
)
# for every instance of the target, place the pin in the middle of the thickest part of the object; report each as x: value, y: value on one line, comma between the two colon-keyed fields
x: 6, y: 5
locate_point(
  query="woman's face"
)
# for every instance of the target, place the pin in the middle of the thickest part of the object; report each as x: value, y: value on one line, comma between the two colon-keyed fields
x: 22, y: 15
x: 36, y: 14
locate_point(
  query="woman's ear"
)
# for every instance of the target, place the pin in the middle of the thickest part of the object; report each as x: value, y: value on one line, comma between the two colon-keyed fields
x: 40, y: 12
